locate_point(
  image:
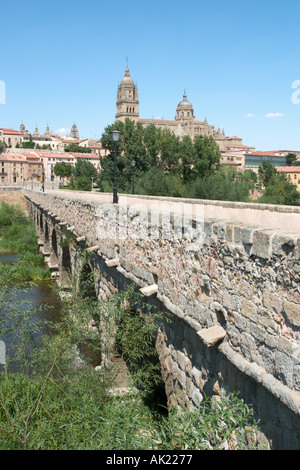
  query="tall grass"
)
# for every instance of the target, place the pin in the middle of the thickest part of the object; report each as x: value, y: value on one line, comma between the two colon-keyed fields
x: 17, y: 235
x: 54, y: 404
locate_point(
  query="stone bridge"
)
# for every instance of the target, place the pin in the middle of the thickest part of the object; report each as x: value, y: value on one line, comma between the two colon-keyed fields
x: 227, y: 272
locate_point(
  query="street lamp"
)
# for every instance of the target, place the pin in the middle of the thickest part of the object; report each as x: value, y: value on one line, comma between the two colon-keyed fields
x: 43, y: 181
x: 132, y: 166
x: 115, y: 137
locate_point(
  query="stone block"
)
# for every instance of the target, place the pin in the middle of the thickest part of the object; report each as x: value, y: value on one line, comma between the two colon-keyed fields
x: 284, y: 243
x: 262, y: 243
x: 292, y: 312
x: 212, y: 335
x: 93, y: 248
x: 112, y: 262
x: 249, y: 309
x: 149, y: 290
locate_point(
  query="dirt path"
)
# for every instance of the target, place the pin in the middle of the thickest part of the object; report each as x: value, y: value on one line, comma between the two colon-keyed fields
x: 13, y: 197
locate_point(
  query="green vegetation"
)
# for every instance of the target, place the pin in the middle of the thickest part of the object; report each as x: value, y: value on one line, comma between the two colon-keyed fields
x: 2, y: 147
x: 18, y: 236
x: 278, y: 188
x: 81, y: 175
x: 28, y: 145
x: 166, y: 166
x: 291, y: 158
x: 73, y: 148
x: 53, y: 403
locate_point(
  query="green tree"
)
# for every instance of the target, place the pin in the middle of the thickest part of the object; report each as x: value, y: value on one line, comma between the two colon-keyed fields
x: 2, y: 147
x: 186, y: 158
x: 63, y: 170
x: 206, y: 157
x: 28, y: 145
x: 73, y: 148
x: 280, y: 190
x: 130, y: 147
x: 291, y: 158
x: 84, y: 168
x: 151, y: 142
x: 266, y: 172
x: 83, y: 174
x: 153, y: 183
x: 227, y: 184
x: 168, y: 148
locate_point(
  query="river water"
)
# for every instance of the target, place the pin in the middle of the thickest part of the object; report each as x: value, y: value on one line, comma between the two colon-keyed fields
x: 43, y: 296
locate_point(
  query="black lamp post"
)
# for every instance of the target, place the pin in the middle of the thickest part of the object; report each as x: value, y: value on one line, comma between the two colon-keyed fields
x: 43, y: 181
x: 132, y: 166
x: 115, y: 137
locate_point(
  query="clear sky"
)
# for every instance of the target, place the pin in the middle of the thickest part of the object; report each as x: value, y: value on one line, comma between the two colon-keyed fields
x: 61, y: 62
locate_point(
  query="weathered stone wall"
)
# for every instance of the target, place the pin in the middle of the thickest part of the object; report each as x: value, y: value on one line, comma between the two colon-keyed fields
x: 233, y: 290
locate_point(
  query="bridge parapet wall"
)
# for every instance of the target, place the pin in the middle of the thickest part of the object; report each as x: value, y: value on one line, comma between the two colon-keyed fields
x: 233, y: 288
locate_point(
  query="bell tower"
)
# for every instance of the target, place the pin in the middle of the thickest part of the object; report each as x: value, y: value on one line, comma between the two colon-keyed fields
x: 127, y: 98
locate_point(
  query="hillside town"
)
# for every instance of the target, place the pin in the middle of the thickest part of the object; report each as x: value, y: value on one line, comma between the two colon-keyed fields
x: 28, y: 157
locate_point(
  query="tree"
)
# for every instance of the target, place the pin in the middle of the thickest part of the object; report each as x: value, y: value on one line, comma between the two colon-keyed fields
x: 206, y: 157
x: 153, y: 183
x: 186, y: 158
x: 227, y: 184
x: 291, y: 158
x: 63, y: 170
x: 82, y: 175
x: 130, y: 147
x: 28, y: 145
x: 168, y: 147
x: 266, y: 172
x: 2, y: 147
x: 280, y: 190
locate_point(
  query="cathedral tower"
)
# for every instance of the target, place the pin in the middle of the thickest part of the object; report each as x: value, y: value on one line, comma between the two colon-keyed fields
x: 74, y: 132
x: 127, y: 99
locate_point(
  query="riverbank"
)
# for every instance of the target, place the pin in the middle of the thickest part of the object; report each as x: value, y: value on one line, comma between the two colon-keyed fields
x: 13, y: 197
x: 17, y: 236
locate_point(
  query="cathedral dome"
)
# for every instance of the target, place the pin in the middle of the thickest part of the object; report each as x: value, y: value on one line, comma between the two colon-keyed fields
x: 185, y: 103
x: 184, y: 109
x: 127, y: 80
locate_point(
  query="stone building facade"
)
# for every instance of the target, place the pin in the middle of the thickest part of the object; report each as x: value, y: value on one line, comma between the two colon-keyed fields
x: 20, y: 169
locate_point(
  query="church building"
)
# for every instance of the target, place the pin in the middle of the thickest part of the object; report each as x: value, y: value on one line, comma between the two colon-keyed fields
x: 184, y: 123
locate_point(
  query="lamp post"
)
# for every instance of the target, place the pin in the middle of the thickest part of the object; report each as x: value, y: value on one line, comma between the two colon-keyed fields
x: 132, y: 166
x: 43, y: 181
x: 115, y: 137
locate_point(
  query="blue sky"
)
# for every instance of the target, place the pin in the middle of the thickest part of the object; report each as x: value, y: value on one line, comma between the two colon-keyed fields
x: 61, y: 63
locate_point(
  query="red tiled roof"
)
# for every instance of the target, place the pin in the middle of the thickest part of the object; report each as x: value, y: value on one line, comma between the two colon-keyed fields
x: 289, y: 169
x: 12, y: 157
x: 11, y: 131
x: 239, y: 145
x: 268, y: 154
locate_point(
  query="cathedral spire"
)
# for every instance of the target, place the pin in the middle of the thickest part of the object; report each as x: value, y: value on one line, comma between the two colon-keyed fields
x: 127, y: 73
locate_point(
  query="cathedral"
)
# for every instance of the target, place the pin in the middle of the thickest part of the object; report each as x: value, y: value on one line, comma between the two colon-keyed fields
x: 184, y: 122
